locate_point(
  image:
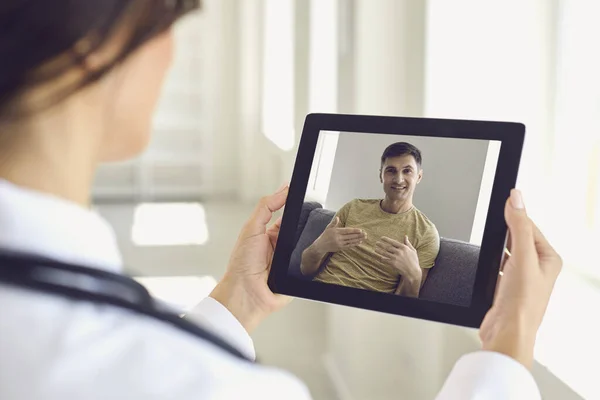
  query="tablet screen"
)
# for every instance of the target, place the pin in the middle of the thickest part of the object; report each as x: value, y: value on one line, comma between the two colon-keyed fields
x: 397, y: 214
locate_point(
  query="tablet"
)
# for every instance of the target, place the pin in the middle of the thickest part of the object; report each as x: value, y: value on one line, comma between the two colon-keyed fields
x: 398, y: 215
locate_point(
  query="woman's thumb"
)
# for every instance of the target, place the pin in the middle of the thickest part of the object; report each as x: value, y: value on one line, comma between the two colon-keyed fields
x: 519, y: 224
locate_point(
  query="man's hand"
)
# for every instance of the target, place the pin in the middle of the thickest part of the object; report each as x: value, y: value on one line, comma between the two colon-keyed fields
x: 244, y: 290
x: 334, y: 238
x: 401, y: 256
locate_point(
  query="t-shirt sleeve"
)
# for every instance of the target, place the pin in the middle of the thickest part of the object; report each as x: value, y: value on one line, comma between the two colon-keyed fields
x: 343, y: 212
x: 428, y: 248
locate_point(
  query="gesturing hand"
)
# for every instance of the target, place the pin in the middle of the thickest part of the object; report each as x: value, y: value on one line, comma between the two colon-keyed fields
x: 334, y: 238
x: 401, y: 256
x: 244, y: 290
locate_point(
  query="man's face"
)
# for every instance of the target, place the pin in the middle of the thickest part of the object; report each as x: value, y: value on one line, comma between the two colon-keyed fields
x: 400, y: 176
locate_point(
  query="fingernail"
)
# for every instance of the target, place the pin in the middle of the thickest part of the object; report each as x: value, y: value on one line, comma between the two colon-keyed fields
x: 516, y: 199
x: 281, y: 188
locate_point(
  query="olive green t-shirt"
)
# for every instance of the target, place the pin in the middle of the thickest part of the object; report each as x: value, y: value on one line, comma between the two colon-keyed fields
x: 360, y: 266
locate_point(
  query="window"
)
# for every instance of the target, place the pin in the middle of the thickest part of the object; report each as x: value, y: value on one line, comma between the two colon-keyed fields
x: 178, y: 159
x: 278, y: 73
x: 323, y: 90
x: 177, y: 224
x: 323, y: 70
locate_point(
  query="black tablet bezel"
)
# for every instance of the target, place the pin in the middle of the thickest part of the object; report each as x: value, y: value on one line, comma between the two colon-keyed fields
x: 511, y: 135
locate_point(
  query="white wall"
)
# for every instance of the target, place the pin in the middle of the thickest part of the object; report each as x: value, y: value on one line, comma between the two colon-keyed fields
x: 448, y: 193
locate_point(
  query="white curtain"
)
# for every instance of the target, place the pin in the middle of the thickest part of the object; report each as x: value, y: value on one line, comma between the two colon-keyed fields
x: 574, y: 186
x: 532, y: 62
x: 537, y: 62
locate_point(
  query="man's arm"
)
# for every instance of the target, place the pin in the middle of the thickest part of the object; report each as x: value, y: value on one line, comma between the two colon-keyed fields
x: 331, y: 240
x: 411, y: 287
x: 312, y: 258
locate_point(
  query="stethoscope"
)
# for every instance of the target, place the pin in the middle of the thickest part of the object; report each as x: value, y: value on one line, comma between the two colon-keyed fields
x: 80, y: 283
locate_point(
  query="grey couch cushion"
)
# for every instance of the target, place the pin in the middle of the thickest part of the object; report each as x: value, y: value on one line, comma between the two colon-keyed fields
x: 452, y: 278
x: 318, y: 219
x: 307, y: 207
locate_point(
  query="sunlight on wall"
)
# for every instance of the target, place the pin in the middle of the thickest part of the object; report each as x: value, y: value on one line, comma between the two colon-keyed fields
x: 169, y: 224
x: 320, y: 173
x: 485, y: 192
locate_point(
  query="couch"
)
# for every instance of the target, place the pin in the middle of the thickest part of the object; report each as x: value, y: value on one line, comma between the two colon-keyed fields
x: 450, y: 281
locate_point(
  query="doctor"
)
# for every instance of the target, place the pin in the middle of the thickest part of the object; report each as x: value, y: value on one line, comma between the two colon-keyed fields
x: 79, y: 81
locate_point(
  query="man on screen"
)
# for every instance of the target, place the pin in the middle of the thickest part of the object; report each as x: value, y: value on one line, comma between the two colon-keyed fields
x: 383, y: 245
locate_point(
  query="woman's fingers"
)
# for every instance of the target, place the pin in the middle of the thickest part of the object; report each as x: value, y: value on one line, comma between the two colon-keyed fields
x: 549, y: 257
x: 273, y: 231
x: 542, y: 245
x: 505, y: 259
x: 508, y: 248
x: 264, y: 212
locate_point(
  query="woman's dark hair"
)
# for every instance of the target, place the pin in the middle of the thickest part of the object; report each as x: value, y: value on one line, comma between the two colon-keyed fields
x: 402, y: 149
x: 40, y: 40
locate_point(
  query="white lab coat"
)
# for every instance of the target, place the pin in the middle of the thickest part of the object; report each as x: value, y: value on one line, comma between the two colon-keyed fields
x: 54, y: 349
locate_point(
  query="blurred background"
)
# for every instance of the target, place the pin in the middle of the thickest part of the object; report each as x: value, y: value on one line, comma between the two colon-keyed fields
x: 226, y: 132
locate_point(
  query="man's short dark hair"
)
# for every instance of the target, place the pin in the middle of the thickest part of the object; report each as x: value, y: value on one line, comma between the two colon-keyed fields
x: 401, y: 149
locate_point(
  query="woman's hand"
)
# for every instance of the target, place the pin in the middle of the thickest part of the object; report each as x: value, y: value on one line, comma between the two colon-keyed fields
x: 524, y: 289
x: 243, y: 289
